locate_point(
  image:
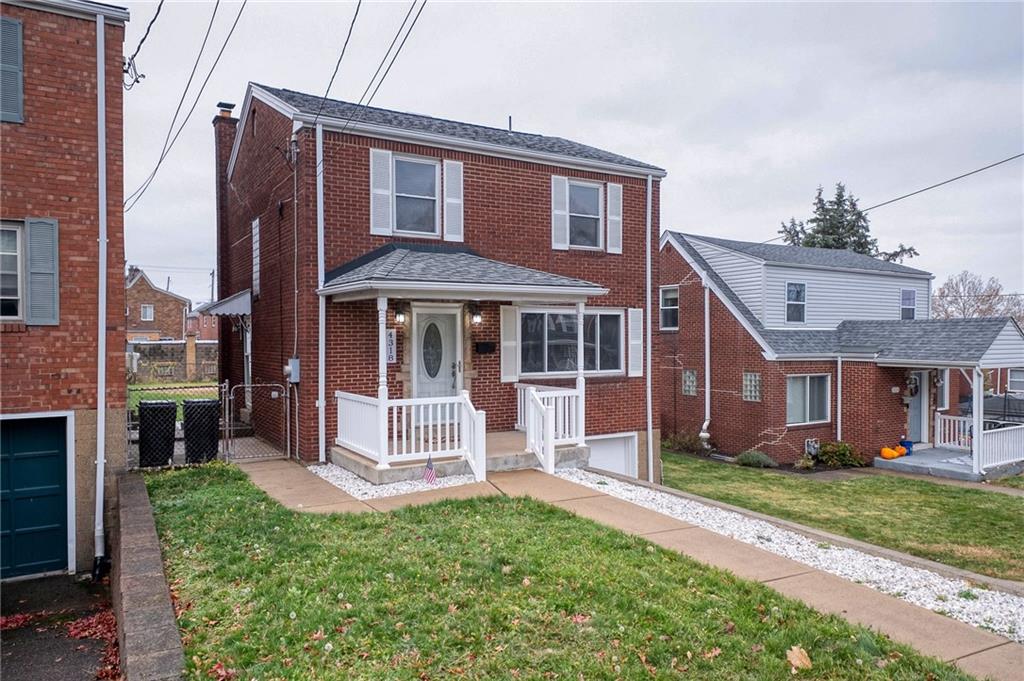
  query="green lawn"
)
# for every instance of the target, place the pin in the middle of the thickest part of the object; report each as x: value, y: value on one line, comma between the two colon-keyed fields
x: 1017, y: 482
x: 480, y: 588
x: 972, y: 529
x: 178, y: 392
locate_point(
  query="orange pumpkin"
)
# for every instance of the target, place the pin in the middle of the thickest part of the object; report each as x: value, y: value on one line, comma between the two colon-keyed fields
x: 901, y: 450
x: 889, y: 453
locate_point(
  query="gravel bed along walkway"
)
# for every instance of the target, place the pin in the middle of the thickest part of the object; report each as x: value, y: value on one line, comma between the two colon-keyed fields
x: 996, y: 611
x: 362, y: 489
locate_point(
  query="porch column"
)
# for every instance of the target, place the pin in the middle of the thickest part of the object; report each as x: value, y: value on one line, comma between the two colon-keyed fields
x: 978, y: 409
x: 581, y: 383
x: 382, y: 381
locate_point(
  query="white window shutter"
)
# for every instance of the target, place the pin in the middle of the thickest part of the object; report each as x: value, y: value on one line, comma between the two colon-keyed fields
x: 256, y: 258
x: 614, y: 218
x: 453, y: 213
x: 559, y: 213
x: 509, y: 344
x: 636, y: 341
x: 380, y: 192
x: 42, y: 287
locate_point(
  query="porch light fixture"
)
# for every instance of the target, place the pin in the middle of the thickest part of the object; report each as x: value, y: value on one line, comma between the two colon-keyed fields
x: 400, y: 314
x: 474, y: 314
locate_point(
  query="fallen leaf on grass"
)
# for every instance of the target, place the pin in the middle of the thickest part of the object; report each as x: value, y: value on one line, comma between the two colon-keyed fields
x: 756, y: 648
x: 798, y: 659
x: 580, y: 618
x: 713, y: 653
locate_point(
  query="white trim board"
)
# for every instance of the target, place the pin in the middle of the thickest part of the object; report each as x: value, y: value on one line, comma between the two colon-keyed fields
x: 69, y: 416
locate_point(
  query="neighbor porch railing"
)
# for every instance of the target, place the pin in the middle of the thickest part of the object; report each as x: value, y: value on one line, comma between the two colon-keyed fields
x: 399, y: 431
x: 1002, y: 442
x: 567, y: 404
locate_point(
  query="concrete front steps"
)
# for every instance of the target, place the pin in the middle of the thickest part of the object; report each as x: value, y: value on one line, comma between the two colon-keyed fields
x: 499, y: 459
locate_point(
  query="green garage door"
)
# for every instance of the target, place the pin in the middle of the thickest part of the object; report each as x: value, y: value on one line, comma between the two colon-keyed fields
x: 33, y: 496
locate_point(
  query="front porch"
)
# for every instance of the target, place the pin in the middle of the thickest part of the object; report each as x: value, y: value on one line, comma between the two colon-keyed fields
x: 946, y: 462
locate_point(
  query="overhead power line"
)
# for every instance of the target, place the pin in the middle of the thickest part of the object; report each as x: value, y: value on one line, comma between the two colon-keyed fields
x: 129, y: 64
x: 138, y: 193
x: 337, y: 64
x: 939, y: 184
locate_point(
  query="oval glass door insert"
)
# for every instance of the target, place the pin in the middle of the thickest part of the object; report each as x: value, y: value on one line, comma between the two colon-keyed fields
x: 432, y: 350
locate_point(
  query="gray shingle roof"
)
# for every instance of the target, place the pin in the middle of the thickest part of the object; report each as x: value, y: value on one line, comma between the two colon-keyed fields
x: 334, y: 108
x: 407, y: 262
x: 802, y: 255
x: 959, y: 341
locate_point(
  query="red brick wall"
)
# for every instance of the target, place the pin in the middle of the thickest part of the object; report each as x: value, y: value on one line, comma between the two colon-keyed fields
x: 204, y: 326
x: 872, y: 415
x: 507, y: 217
x: 49, y: 167
x: 168, y: 311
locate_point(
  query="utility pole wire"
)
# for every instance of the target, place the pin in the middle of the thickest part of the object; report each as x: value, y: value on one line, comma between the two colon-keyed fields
x: 129, y: 63
x: 194, y: 104
x: 337, y: 64
x: 952, y: 179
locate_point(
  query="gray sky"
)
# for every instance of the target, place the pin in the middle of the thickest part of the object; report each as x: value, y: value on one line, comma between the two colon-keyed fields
x: 748, y: 107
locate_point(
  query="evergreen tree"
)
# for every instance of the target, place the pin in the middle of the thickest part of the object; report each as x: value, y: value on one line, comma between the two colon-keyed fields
x: 839, y: 223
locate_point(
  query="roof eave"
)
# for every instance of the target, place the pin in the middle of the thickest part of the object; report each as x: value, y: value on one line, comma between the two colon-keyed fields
x: 371, y: 288
x: 82, y: 9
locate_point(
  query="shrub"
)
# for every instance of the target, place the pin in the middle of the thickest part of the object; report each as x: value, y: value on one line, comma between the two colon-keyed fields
x: 685, y: 442
x: 838, y: 455
x: 804, y: 463
x: 756, y: 459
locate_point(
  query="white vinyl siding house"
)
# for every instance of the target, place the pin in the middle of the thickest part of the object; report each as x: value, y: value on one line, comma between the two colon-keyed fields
x: 1006, y: 349
x: 743, y: 274
x: 834, y: 296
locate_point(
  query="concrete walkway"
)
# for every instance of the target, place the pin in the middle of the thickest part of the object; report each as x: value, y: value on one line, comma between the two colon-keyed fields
x: 978, y: 652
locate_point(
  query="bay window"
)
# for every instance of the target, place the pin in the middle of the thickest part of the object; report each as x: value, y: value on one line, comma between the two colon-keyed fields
x: 548, y: 342
x: 807, y: 399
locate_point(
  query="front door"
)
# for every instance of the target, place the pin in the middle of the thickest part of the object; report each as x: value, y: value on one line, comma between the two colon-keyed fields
x: 437, y: 354
x: 916, y: 428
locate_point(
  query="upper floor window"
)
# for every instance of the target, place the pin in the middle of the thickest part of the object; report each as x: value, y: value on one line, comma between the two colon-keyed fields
x: 548, y: 342
x: 146, y: 313
x: 1016, y: 381
x: 585, y: 215
x: 669, y: 308
x: 416, y: 205
x: 807, y: 399
x: 10, y: 271
x: 908, y: 303
x: 12, y: 67
x: 796, y: 302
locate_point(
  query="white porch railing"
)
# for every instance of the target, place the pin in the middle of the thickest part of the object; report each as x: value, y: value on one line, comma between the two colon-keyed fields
x: 567, y: 405
x: 395, y: 431
x: 539, y: 418
x: 953, y: 431
x: 1002, y: 445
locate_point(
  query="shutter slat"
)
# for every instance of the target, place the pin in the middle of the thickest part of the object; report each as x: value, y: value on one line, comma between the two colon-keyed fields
x: 380, y: 192
x: 11, y: 71
x: 453, y: 204
x: 42, y: 285
x: 636, y: 342
x: 559, y: 213
x: 509, y: 344
x: 614, y: 218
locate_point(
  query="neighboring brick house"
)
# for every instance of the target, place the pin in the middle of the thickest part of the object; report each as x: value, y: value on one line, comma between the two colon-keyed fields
x: 153, y: 313
x: 62, y: 388
x: 782, y: 328
x: 203, y: 325
x: 452, y: 257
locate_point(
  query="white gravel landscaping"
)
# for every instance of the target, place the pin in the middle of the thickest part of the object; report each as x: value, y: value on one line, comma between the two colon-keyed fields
x: 362, y: 489
x: 996, y: 611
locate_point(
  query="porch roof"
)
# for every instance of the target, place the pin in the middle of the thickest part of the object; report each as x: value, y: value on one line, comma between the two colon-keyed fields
x: 448, y: 271
x: 236, y: 304
x: 986, y: 342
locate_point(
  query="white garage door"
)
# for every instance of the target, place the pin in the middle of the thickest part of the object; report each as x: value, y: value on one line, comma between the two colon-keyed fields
x: 614, y: 453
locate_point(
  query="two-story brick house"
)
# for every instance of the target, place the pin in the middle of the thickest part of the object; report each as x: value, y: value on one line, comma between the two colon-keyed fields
x: 774, y: 348
x: 62, y: 390
x: 153, y: 313
x: 426, y: 272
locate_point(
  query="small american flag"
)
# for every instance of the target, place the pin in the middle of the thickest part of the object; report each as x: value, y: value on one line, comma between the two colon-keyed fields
x: 429, y: 474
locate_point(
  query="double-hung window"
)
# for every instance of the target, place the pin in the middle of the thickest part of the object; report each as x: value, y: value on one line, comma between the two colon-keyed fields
x: 11, y: 277
x: 548, y: 342
x: 796, y: 303
x: 585, y: 203
x: 807, y: 399
x: 669, y: 308
x: 416, y: 204
x: 146, y: 313
x: 908, y: 303
x: 1015, y: 384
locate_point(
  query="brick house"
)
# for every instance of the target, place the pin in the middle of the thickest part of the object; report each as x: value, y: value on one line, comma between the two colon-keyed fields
x: 203, y: 325
x: 776, y: 348
x: 62, y: 389
x: 153, y: 313
x: 449, y: 276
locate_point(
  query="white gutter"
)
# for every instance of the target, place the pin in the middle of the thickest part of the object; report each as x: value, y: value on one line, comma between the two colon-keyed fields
x: 368, y: 289
x: 839, y: 398
x: 321, y: 370
x: 650, y: 415
x: 101, y: 307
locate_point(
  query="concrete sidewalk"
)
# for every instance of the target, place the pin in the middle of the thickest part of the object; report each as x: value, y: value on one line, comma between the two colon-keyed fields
x: 978, y: 652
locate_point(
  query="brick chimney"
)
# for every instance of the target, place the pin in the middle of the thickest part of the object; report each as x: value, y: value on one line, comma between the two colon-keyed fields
x: 224, y: 128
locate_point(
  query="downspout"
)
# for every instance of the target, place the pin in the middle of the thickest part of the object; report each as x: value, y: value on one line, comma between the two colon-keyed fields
x: 650, y: 415
x: 98, y: 565
x: 321, y: 370
x: 839, y: 398
x: 705, y: 434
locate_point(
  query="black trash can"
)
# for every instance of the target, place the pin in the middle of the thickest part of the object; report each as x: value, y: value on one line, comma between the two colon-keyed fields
x: 156, y: 432
x: 202, y: 429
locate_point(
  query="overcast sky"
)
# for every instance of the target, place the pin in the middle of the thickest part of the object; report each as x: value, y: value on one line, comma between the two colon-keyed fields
x: 748, y: 107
